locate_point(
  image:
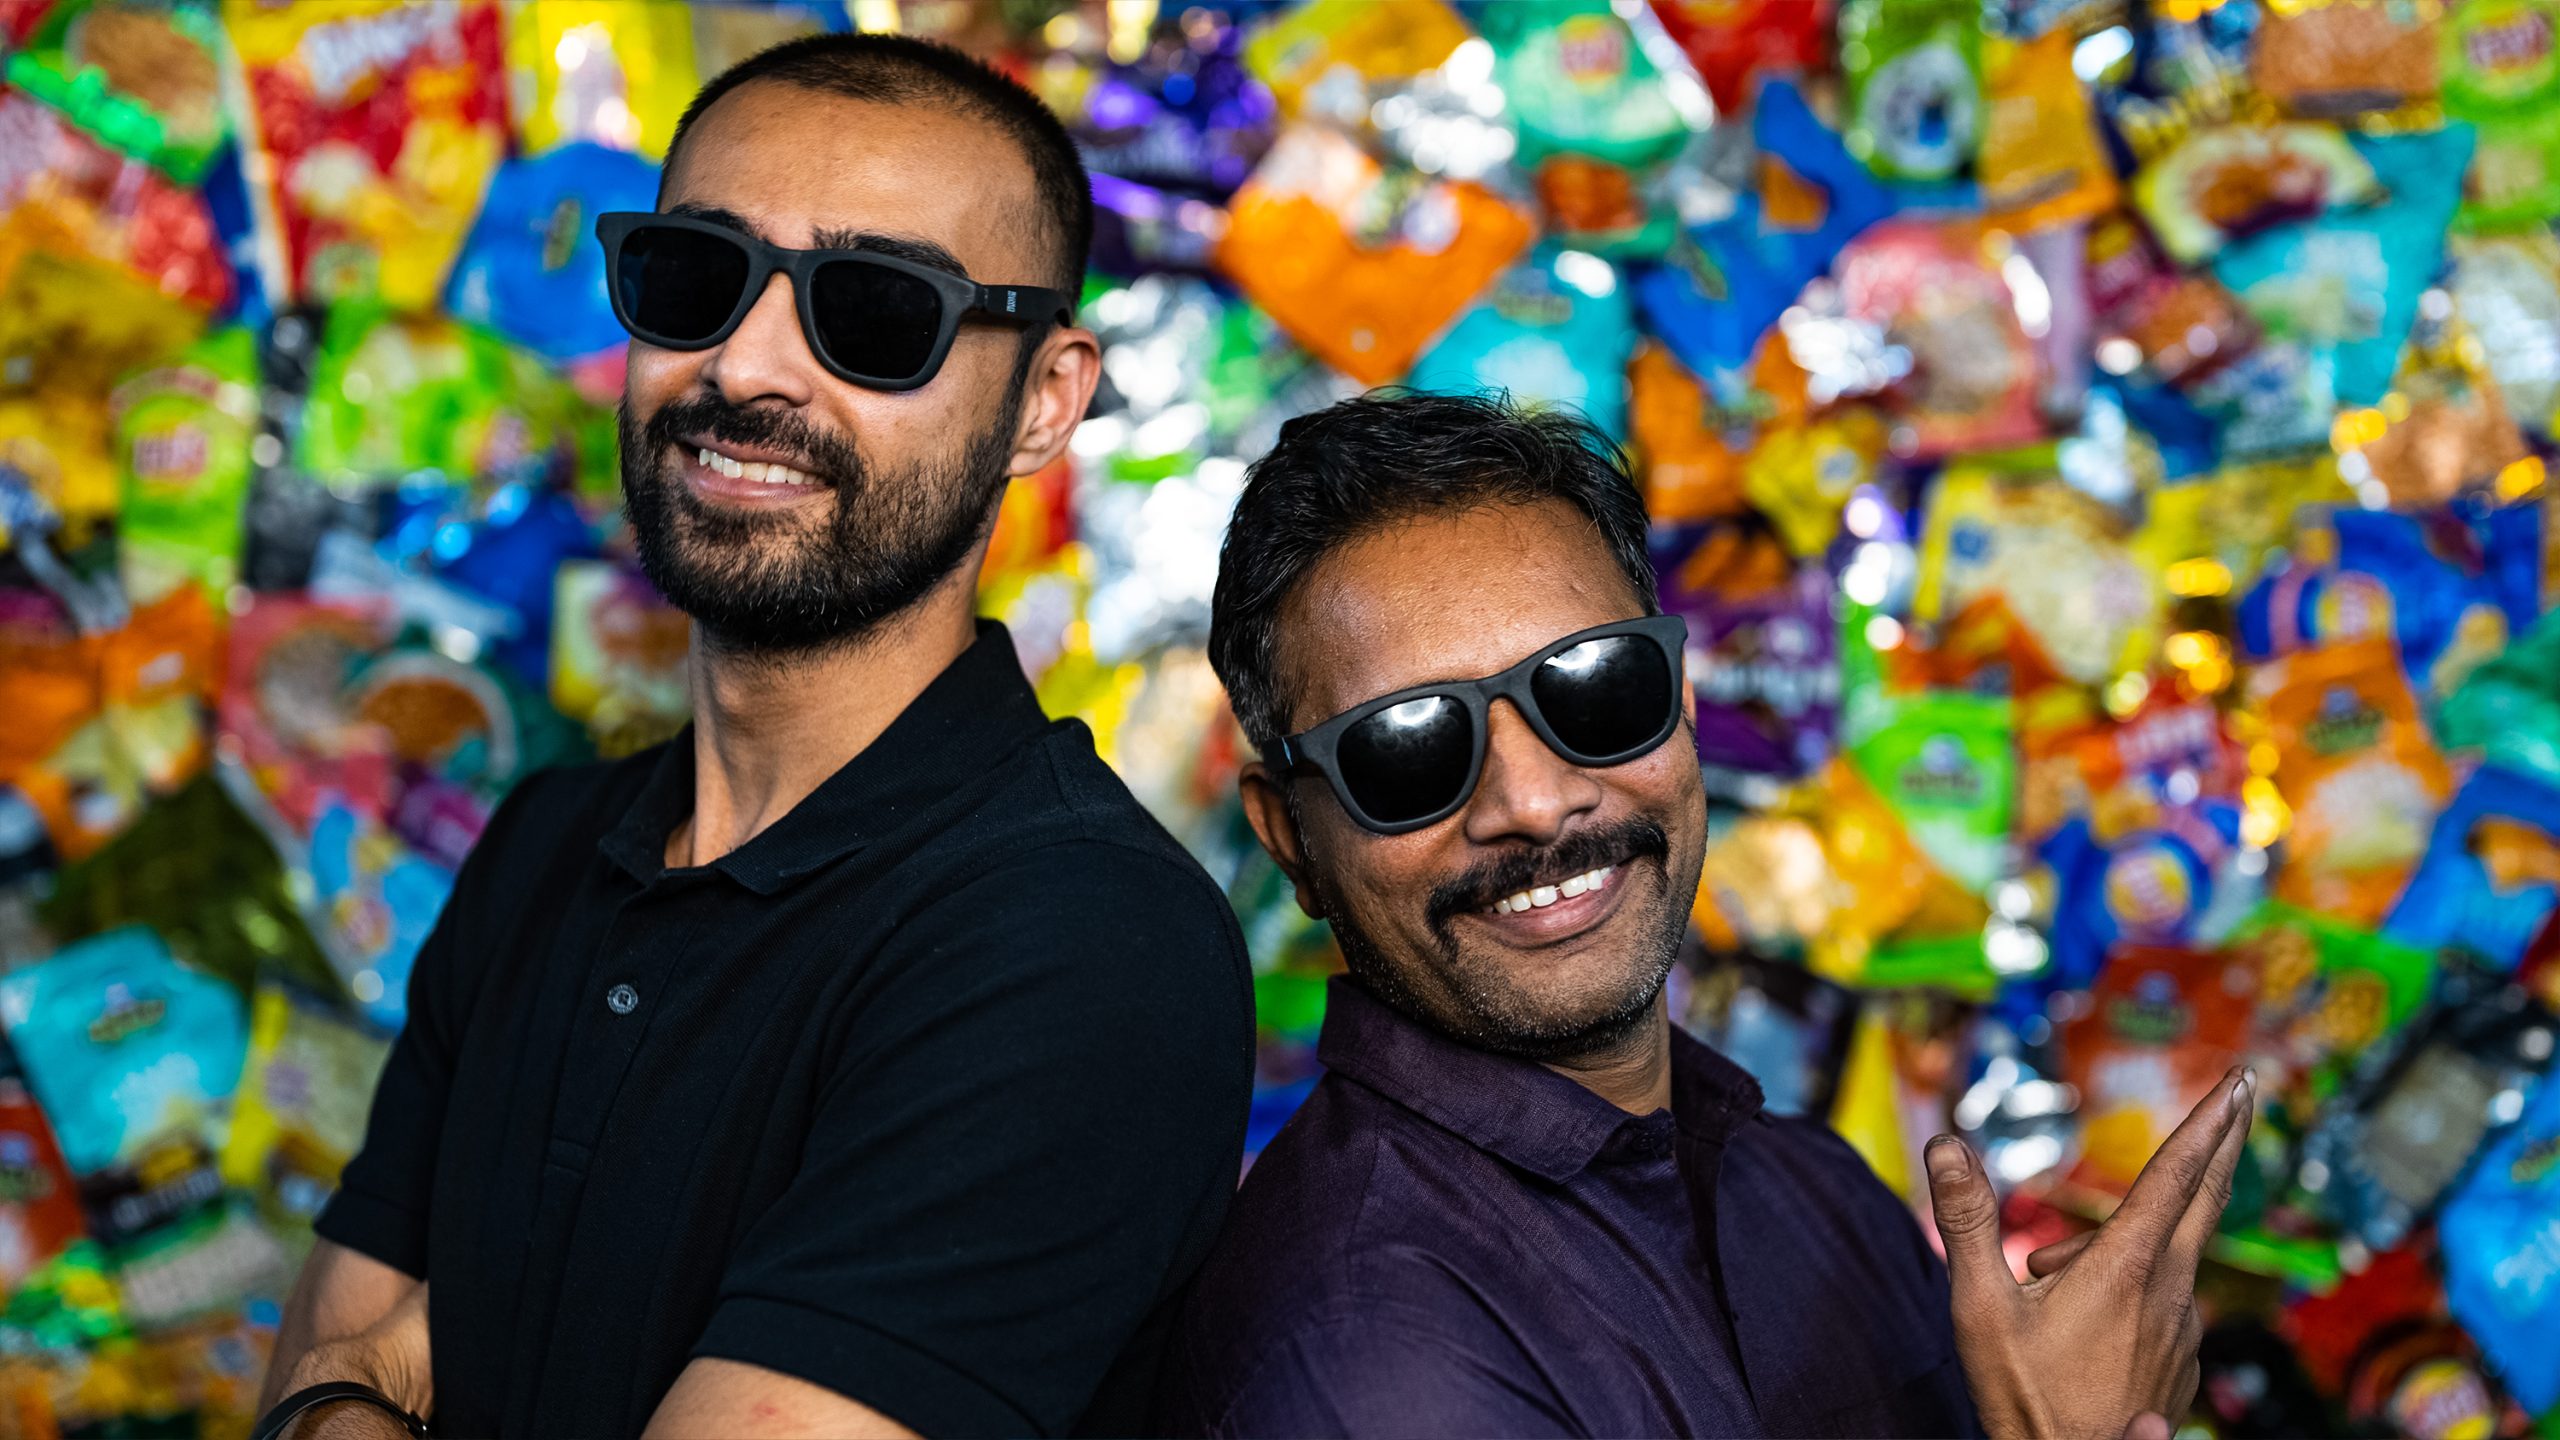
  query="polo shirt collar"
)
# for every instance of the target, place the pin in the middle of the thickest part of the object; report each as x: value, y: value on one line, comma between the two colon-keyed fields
x: 1517, y: 1110
x: 977, y: 711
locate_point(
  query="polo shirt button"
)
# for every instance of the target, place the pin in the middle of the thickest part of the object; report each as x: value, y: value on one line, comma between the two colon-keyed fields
x: 622, y: 999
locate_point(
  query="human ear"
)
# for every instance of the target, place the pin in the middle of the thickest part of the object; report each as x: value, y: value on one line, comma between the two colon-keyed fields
x: 1267, y: 810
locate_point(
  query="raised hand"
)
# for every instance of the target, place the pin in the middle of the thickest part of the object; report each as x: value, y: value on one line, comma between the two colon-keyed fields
x: 2104, y: 1332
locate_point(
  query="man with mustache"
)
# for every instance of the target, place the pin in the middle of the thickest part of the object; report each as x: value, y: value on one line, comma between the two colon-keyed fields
x: 1521, y: 1201
x: 865, y: 1061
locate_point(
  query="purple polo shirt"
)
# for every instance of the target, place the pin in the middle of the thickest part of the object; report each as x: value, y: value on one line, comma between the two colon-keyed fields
x: 1449, y: 1242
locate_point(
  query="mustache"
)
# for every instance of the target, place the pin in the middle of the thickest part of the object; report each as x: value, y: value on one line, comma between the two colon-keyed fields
x: 824, y: 454
x: 1478, y: 886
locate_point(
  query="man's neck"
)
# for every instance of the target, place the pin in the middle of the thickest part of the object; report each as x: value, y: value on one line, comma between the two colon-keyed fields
x: 767, y: 731
x: 1633, y: 1074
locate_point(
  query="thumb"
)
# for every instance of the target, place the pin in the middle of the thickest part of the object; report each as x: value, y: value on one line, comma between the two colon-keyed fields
x: 1968, y: 1216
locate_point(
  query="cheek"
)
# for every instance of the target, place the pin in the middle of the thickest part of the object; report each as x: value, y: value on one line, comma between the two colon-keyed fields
x: 657, y: 376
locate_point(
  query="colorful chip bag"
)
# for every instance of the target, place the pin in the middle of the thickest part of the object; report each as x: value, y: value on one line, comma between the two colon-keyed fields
x: 1737, y: 43
x: 381, y: 123
x: 1554, y: 330
x: 532, y: 269
x: 1362, y: 265
x: 2502, y: 74
x: 1350, y: 45
x: 1942, y: 292
x: 2491, y: 875
x: 184, y: 432
x: 2041, y: 161
x: 144, y: 78
x: 2329, y: 59
x: 610, y: 72
x: 1915, y: 85
x: 124, y: 1046
x: 2358, y: 774
x: 2163, y: 1025
x: 300, y: 1113
x: 2502, y: 1252
x: 2059, y: 558
x: 1729, y: 279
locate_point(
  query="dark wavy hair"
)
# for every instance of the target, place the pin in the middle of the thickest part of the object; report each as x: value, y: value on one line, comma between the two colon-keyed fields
x: 1344, y: 472
x: 903, y: 70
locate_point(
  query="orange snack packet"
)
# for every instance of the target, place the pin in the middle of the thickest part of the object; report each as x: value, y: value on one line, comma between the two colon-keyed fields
x: 2359, y: 774
x: 1363, y: 266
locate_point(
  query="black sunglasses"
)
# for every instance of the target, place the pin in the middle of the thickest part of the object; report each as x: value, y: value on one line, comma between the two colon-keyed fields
x: 878, y: 321
x: 1598, y: 697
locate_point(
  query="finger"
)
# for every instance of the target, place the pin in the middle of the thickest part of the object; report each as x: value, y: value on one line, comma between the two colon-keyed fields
x: 2147, y: 1426
x: 1968, y: 1217
x: 2046, y: 1260
x: 2151, y: 1210
x: 2204, y: 1212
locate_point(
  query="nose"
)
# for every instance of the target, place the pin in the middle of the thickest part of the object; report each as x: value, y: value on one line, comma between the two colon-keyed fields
x: 1528, y: 792
x: 766, y: 358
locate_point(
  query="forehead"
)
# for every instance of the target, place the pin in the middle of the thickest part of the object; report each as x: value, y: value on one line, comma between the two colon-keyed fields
x: 1452, y: 595
x: 795, y: 162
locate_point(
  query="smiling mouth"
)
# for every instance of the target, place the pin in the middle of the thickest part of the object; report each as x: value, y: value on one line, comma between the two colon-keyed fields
x: 753, y: 472
x: 1539, y: 897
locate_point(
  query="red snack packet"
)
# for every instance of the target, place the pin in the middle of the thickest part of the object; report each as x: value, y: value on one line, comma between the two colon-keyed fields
x: 381, y: 122
x: 1732, y: 42
x: 2163, y: 1024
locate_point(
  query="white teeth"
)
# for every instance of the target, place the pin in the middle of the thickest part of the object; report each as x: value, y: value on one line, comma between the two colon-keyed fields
x: 1589, y: 882
x: 754, y: 471
x: 1574, y: 886
x: 1600, y: 877
x: 1543, y: 896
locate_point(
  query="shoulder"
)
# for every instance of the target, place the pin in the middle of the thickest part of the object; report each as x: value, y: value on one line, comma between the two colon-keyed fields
x: 1337, y: 1223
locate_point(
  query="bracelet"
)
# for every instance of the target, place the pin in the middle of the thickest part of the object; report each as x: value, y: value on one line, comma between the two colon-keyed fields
x: 312, y: 1397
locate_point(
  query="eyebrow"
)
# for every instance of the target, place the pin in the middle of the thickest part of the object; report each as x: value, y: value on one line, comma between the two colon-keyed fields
x: 912, y: 249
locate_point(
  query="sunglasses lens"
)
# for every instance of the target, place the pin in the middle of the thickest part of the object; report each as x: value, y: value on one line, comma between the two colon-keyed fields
x: 1408, y: 760
x: 678, y: 285
x: 875, y: 321
x: 1606, y: 698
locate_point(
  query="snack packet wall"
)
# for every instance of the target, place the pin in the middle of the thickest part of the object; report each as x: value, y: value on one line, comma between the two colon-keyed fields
x: 2502, y: 1253
x: 2163, y: 1025
x: 2491, y: 874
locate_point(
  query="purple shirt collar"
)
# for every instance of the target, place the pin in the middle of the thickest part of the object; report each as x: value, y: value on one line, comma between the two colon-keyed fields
x: 1519, y: 1110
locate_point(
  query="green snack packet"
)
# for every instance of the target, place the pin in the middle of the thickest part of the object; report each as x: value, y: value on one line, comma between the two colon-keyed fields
x: 2502, y: 73
x: 184, y: 433
x: 2508, y: 708
x: 1579, y: 83
x: 143, y: 76
x: 1915, y: 85
x: 1946, y: 763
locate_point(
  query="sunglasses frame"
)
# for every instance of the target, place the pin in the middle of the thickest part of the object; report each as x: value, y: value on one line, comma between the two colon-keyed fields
x: 961, y: 297
x: 1313, y: 751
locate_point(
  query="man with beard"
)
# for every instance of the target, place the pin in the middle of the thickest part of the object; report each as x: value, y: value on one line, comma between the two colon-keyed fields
x: 1521, y: 1201
x: 865, y: 1061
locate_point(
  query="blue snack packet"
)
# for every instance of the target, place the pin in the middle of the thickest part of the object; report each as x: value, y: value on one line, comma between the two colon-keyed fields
x: 532, y: 269
x: 124, y: 1045
x: 2501, y: 1241
x: 2478, y: 889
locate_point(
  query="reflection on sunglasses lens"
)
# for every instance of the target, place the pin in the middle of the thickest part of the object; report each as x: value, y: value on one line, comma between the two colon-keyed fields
x: 1408, y: 760
x: 1605, y: 697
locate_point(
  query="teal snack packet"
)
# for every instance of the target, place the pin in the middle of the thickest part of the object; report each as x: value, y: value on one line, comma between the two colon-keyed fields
x: 183, y: 437
x: 1915, y: 85
x: 1556, y: 329
x: 123, y: 1045
x: 1578, y: 83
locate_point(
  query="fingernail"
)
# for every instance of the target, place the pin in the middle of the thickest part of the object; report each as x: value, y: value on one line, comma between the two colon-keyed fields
x: 1948, y: 1160
x: 2244, y: 1092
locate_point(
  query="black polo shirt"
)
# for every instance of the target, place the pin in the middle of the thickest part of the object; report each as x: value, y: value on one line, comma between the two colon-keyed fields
x: 931, y: 1094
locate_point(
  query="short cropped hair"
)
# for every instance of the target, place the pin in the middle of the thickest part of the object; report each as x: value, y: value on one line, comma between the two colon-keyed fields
x: 903, y: 70
x: 1344, y: 472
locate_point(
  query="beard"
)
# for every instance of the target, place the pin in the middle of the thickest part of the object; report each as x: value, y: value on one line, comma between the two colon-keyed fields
x: 777, y: 584
x: 1482, y: 1003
